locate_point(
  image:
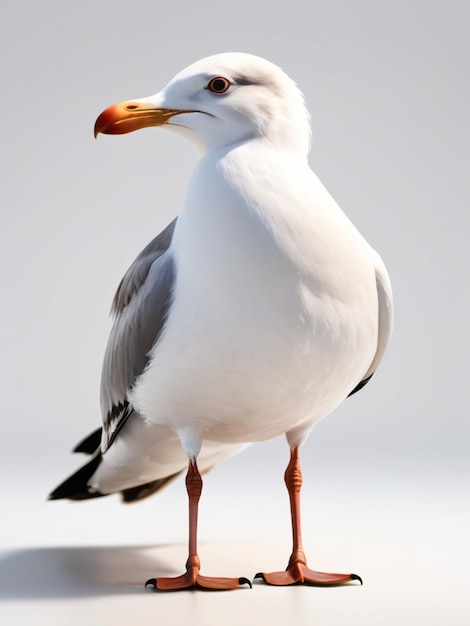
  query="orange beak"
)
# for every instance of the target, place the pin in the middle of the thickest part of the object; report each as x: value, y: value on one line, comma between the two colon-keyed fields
x: 128, y: 116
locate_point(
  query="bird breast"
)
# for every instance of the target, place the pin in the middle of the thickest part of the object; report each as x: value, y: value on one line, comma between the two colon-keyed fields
x: 274, y: 312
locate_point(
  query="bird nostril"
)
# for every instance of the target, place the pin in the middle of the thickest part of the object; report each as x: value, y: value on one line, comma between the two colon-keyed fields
x: 131, y: 107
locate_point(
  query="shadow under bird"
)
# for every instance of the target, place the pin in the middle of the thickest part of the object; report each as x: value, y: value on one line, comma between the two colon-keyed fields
x: 254, y: 314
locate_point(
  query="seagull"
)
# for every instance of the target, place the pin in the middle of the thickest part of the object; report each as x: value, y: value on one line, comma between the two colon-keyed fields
x: 254, y: 314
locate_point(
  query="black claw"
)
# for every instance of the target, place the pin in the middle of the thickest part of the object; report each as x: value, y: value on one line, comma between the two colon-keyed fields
x: 244, y: 581
x: 259, y: 575
x: 151, y: 582
x: 356, y: 577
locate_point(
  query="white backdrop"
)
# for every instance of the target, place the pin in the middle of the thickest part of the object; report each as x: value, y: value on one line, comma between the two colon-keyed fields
x: 386, y: 86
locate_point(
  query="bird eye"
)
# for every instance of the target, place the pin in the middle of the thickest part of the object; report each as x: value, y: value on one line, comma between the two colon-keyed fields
x: 218, y: 84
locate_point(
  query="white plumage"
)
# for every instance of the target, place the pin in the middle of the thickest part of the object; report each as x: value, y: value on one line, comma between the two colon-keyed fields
x: 264, y: 307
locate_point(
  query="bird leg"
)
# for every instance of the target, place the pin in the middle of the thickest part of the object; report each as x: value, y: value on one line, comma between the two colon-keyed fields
x: 297, y: 570
x: 191, y: 578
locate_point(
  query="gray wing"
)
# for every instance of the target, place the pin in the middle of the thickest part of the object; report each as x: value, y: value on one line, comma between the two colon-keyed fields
x: 385, y: 300
x: 139, y: 307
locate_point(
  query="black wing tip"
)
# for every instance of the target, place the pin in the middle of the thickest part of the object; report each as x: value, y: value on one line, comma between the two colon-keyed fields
x: 89, y: 444
x: 135, y: 494
x: 362, y: 384
x: 62, y: 494
x: 76, y: 486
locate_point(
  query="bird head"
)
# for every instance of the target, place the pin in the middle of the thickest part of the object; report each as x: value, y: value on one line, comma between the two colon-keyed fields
x: 219, y: 101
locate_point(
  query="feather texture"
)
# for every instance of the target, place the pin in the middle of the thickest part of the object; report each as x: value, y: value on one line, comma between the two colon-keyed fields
x: 140, y: 307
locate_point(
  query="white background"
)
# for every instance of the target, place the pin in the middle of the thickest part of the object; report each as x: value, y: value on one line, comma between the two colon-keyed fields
x: 385, y: 477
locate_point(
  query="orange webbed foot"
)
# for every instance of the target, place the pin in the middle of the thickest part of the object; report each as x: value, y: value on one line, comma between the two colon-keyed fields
x: 191, y: 579
x: 297, y: 573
